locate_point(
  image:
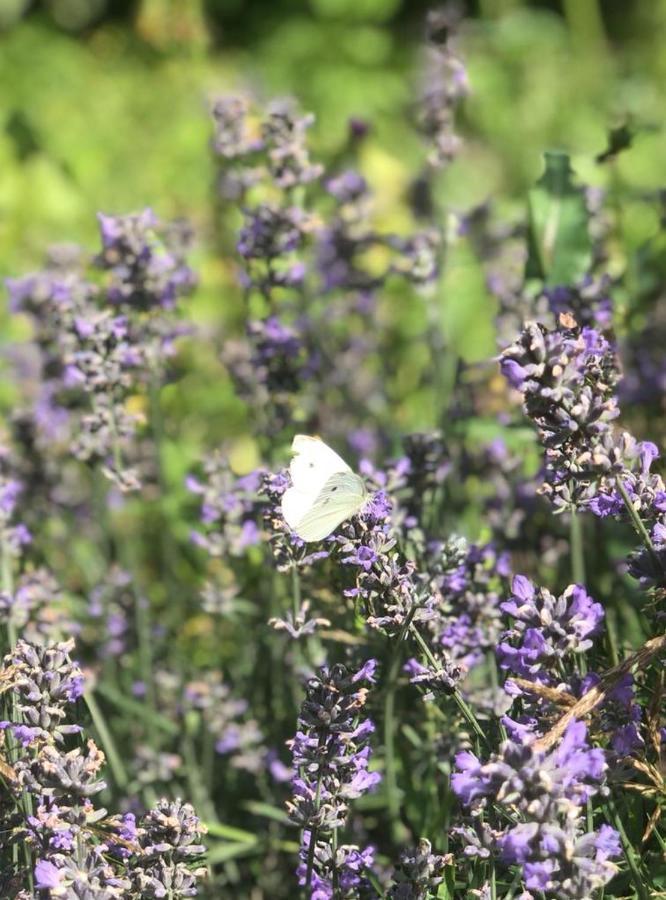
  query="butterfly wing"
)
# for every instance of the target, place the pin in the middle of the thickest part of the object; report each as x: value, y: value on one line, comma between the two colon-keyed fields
x: 324, y: 489
x: 341, y: 497
x: 313, y: 464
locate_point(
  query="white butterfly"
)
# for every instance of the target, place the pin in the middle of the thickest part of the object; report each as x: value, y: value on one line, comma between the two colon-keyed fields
x: 324, y: 490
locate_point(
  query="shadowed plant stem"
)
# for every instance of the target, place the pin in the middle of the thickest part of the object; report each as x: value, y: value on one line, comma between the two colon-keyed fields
x: 141, y: 605
x: 313, y: 838
x: 389, y: 720
x: 577, y: 548
x: 295, y: 592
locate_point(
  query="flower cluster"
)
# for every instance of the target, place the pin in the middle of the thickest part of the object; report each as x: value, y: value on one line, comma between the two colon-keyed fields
x: 413, y: 480
x: 237, y: 737
x: 567, y: 377
x: 588, y: 301
x: 389, y: 587
x: 268, y: 368
x: 169, y: 847
x: 110, y: 607
x: 230, y: 508
x: 541, y: 795
x: 419, y: 873
x: 35, y: 607
x: 13, y: 534
x: 445, y: 85
x: 96, y: 343
x: 78, y: 850
x: 145, y: 260
x: 466, y: 621
x: 544, y: 646
x: 275, y: 150
x: 546, y: 629
x: 331, y: 756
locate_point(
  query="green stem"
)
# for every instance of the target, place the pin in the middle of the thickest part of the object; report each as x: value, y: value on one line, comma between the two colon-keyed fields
x: 467, y: 713
x: 576, y: 548
x: 108, y: 744
x: 514, y: 884
x: 144, y: 632
x: 8, y: 589
x: 115, y: 435
x: 389, y: 739
x: 335, y: 879
x: 25, y: 801
x: 167, y: 543
x: 194, y: 777
x: 389, y: 720
x: 639, y: 526
x: 313, y: 834
x: 628, y: 852
x: 295, y: 592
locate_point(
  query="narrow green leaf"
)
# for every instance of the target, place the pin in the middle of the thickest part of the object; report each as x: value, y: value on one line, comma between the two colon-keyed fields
x: 559, y: 242
x: 219, y: 829
x: 129, y: 705
x: 224, y: 852
x: 266, y: 811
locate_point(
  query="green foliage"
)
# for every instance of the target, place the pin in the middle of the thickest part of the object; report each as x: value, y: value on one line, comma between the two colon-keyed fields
x: 560, y: 246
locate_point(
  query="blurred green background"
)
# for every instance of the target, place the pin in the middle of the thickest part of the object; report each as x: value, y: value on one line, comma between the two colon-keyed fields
x: 103, y: 105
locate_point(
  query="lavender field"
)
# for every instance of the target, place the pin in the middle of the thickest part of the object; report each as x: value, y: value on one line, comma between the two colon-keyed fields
x: 332, y: 517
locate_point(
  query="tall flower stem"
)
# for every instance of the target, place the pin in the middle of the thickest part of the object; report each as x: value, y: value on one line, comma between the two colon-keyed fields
x: 313, y: 838
x: 577, y: 548
x: 389, y: 721
x: 102, y: 729
x: 8, y: 589
x: 639, y: 526
x: 467, y: 713
x: 629, y: 854
x: 141, y: 606
x: 25, y: 803
x: 295, y: 592
x: 168, y: 549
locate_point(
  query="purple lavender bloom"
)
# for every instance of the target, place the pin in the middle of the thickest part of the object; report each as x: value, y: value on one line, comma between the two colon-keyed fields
x: 299, y: 624
x: 15, y: 535
x: 444, y: 86
x: 284, y: 137
x: 567, y: 376
x: 232, y: 138
x: 47, y: 875
x: 331, y: 756
x: 145, y: 260
x: 547, y: 790
x: 344, y: 867
x: 45, y: 682
x: 588, y: 301
x: 230, y: 508
x: 546, y: 628
x: 330, y: 750
x: 419, y: 874
x: 169, y: 838
x: 269, y: 368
